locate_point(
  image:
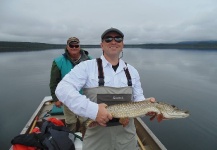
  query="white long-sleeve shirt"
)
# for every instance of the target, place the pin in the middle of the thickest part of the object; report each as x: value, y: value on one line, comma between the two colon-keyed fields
x: 85, y: 75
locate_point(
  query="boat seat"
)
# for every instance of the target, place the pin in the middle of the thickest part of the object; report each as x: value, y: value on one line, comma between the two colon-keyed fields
x: 56, y: 110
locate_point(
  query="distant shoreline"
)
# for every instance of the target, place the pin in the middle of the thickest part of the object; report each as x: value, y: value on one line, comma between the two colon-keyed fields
x: 30, y: 46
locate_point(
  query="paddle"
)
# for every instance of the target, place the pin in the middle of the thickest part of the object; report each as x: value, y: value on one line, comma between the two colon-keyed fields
x: 140, y: 143
x: 34, y: 123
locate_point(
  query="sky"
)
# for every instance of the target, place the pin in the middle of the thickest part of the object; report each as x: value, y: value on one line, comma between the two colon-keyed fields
x: 141, y: 21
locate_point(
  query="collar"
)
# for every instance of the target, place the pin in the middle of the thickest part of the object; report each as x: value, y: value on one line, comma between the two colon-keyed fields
x: 105, y: 63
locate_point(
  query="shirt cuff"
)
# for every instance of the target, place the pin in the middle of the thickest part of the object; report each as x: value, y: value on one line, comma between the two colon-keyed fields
x: 92, y: 110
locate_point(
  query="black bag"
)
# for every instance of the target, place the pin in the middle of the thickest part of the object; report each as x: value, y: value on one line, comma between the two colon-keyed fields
x: 32, y: 139
x: 57, y: 137
x: 52, y: 137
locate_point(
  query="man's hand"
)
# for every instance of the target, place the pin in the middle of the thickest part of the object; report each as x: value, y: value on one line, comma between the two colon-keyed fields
x: 152, y: 99
x: 103, y: 116
x: 152, y: 114
x: 58, y: 103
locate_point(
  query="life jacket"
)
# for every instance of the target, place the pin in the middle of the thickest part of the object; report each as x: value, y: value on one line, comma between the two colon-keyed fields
x: 28, y: 141
x: 23, y: 147
x: 65, y: 65
x: 55, y: 121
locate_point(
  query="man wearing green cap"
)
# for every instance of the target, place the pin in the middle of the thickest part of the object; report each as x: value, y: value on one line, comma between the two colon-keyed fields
x: 105, y: 81
x: 61, y: 66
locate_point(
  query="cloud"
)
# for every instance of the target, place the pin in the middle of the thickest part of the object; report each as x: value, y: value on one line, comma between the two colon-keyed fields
x: 141, y: 21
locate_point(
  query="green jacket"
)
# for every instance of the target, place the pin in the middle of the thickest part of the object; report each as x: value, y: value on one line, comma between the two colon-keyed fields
x: 61, y: 66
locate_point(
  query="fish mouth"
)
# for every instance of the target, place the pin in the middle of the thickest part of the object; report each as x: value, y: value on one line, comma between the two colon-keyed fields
x: 170, y: 115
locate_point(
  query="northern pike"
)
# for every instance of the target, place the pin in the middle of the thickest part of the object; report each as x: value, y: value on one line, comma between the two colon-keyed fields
x: 160, y: 110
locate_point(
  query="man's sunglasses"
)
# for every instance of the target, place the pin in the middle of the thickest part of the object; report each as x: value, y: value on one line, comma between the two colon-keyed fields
x: 72, y: 46
x: 110, y: 38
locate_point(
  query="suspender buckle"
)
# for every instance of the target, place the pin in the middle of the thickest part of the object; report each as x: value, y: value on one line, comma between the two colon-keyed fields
x: 129, y: 82
x: 101, y: 81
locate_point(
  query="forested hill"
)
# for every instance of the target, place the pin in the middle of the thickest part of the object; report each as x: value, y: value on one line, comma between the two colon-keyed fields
x: 29, y: 46
x: 198, y: 45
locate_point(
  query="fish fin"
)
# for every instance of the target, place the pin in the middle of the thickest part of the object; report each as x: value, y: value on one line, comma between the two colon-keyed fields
x: 91, y: 123
x: 152, y: 114
x: 160, y: 117
x: 152, y: 118
x: 124, y: 121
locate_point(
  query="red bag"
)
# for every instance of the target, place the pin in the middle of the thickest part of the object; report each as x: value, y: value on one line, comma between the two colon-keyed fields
x: 23, y: 147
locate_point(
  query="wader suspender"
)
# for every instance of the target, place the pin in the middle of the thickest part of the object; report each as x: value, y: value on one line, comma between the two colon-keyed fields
x: 129, y: 80
x: 101, y: 74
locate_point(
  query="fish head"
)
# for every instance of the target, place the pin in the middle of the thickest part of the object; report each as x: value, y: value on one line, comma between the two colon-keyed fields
x: 171, y: 112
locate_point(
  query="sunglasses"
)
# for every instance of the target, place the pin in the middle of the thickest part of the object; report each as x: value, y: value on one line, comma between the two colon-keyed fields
x: 72, y: 46
x: 110, y: 38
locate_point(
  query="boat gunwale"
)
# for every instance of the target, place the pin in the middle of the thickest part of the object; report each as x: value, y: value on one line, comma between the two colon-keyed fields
x: 151, y: 134
x: 36, y: 113
x: 49, y: 99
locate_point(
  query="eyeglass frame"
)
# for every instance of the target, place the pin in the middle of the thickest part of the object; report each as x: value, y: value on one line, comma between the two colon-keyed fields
x: 73, y: 45
x: 109, y: 39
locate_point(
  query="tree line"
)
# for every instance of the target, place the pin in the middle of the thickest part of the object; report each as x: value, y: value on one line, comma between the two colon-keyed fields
x: 32, y: 46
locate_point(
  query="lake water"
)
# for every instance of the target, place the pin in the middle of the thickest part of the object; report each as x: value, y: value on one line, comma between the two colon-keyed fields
x: 185, y: 78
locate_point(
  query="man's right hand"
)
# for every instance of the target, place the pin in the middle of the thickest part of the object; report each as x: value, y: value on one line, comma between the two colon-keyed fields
x: 103, y: 116
x: 58, y: 103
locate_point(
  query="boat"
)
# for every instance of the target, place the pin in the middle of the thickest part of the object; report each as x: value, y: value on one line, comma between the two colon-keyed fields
x: 146, y: 138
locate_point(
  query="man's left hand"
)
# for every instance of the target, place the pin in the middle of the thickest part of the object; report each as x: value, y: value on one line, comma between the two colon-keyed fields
x: 152, y: 99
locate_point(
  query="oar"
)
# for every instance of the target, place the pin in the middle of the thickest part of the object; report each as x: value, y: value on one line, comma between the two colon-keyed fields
x: 34, y: 123
x: 140, y: 143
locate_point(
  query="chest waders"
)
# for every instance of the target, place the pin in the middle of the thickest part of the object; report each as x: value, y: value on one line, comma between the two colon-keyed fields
x: 114, y: 136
